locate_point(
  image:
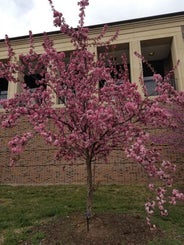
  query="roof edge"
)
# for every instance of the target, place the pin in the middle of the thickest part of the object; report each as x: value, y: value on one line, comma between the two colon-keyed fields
x: 109, y: 24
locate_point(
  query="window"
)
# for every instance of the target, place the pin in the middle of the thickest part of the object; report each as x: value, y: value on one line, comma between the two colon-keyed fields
x: 3, y: 88
x: 30, y: 81
x: 157, y: 52
x: 32, y: 84
x: 112, y: 56
x: 150, y: 86
x: 33, y: 71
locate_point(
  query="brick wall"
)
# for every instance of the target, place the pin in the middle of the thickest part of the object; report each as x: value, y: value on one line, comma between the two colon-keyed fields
x: 36, y: 165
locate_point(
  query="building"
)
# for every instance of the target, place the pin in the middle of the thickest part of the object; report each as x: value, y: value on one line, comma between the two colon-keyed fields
x: 160, y: 39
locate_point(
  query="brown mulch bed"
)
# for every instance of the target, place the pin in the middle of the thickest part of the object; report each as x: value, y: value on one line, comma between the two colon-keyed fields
x: 104, y: 229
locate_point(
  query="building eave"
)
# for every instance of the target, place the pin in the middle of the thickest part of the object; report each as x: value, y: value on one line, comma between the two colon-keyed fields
x: 110, y: 24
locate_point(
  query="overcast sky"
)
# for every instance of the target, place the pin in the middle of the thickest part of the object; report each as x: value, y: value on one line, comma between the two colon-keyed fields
x: 17, y: 17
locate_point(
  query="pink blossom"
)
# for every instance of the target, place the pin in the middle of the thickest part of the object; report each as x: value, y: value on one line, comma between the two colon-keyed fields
x: 157, y: 77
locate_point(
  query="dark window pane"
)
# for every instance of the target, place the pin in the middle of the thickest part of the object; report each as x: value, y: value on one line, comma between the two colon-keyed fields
x: 3, y: 88
x: 30, y: 80
x: 150, y: 86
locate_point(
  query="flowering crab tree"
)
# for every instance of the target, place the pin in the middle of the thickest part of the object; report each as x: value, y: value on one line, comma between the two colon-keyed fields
x: 91, y: 121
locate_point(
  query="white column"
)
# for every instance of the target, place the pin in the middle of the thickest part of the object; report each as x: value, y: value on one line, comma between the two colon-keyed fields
x: 93, y: 49
x: 13, y: 87
x: 177, y: 51
x: 135, y: 63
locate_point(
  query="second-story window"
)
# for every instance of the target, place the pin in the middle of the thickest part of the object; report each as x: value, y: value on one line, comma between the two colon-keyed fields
x: 113, y: 58
x: 33, y: 71
x: 3, y: 81
x: 157, y: 52
x: 32, y: 81
x: 3, y: 88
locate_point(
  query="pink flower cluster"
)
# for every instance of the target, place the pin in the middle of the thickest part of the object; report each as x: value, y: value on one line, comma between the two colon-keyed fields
x: 18, y: 142
x: 176, y: 195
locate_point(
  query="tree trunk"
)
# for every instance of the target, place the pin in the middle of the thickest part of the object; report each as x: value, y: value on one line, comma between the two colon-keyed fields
x: 89, y: 188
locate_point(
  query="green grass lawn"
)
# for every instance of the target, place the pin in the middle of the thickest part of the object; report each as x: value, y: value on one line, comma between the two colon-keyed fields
x: 22, y: 207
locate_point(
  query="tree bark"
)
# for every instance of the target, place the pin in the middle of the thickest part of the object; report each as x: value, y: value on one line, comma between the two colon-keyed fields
x: 89, y: 188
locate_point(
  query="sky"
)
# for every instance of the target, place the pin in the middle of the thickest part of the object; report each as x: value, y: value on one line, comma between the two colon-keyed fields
x: 17, y: 17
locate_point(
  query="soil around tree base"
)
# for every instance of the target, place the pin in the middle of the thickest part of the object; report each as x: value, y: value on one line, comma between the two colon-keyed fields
x: 104, y: 229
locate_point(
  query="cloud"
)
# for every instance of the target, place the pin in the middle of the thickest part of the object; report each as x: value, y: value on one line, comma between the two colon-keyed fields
x: 15, y: 8
x: 117, y: 10
x: 12, y: 16
x: 21, y: 7
x: 17, y: 17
